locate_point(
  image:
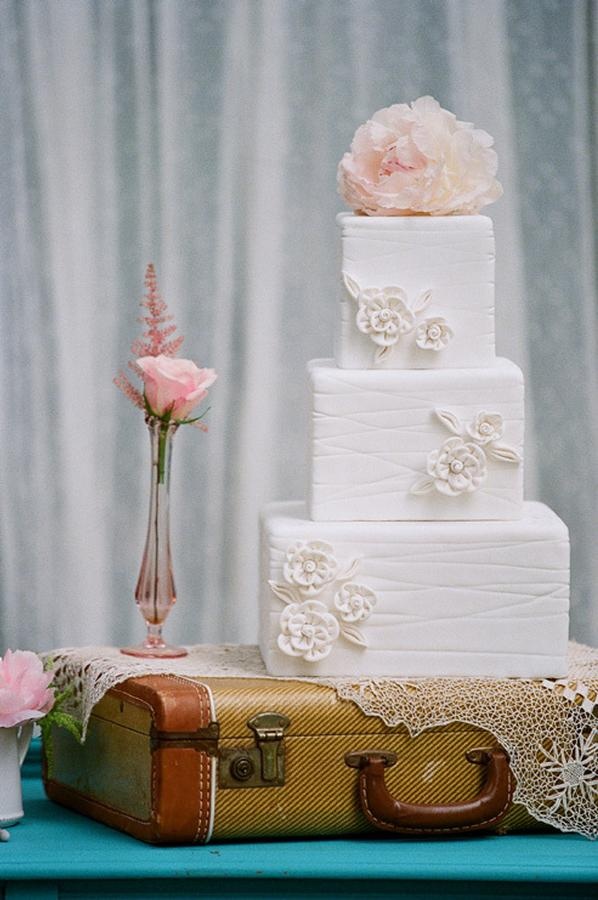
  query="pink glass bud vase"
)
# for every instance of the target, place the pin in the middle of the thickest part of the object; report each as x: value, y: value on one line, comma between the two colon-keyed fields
x: 155, y: 593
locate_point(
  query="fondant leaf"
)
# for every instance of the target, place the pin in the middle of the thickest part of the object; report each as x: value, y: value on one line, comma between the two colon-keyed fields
x: 353, y: 634
x: 283, y: 592
x: 449, y: 420
x: 383, y: 352
x: 504, y: 453
x: 350, y: 572
x: 422, y: 301
x: 351, y: 285
x: 423, y: 486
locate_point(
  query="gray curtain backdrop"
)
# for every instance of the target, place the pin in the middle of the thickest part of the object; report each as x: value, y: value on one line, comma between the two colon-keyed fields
x: 204, y: 136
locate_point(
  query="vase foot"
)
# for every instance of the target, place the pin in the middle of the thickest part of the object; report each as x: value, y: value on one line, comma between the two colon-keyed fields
x: 164, y: 651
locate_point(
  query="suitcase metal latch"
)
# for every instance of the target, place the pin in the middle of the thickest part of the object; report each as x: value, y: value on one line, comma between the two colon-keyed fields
x: 260, y: 766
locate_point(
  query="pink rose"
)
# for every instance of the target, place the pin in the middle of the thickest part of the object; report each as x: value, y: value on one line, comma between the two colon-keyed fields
x: 418, y: 158
x: 24, y: 688
x: 174, y: 385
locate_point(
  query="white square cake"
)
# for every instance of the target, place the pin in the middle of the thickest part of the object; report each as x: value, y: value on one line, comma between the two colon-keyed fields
x: 415, y: 554
x: 416, y: 444
x: 433, y: 278
x: 414, y: 598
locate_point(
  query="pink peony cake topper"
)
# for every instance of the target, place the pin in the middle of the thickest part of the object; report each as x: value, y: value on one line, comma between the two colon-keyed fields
x: 418, y: 159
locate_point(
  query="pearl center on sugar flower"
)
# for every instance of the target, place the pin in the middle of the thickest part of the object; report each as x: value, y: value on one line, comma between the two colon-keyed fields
x: 485, y: 428
x: 434, y: 332
x: 309, y: 566
x: 456, y: 466
x: 385, y: 315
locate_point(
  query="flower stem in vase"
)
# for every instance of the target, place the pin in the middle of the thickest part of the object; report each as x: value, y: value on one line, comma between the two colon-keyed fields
x: 155, y: 593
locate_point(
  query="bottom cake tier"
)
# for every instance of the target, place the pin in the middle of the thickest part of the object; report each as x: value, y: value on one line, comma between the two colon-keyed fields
x: 414, y: 599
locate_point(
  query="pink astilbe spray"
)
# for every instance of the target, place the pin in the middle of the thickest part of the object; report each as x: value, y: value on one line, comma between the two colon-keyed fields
x: 156, y: 341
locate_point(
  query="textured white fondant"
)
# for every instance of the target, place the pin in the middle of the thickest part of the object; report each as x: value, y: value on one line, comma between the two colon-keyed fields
x: 450, y: 256
x: 486, y: 599
x: 372, y: 433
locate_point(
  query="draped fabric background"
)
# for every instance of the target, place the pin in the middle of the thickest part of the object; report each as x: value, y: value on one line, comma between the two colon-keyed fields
x: 204, y: 136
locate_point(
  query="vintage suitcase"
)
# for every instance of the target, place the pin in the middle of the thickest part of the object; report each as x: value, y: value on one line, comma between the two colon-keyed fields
x: 171, y: 760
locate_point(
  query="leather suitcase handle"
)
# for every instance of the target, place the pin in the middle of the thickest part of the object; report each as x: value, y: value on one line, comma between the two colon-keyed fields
x: 386, y: 812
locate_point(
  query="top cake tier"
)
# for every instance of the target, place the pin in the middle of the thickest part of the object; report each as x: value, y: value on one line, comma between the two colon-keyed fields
x: 417, y: 292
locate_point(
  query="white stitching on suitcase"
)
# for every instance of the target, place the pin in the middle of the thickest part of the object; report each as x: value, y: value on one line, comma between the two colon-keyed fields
x: 203, y: 811
x: 203, y: 816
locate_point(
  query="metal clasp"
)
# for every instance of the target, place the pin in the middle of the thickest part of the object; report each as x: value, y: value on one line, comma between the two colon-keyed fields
x: 269, y: 729
x: 259, y: 766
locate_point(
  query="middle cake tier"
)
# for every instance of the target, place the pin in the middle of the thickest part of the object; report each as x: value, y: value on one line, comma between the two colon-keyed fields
x: 416, y: 444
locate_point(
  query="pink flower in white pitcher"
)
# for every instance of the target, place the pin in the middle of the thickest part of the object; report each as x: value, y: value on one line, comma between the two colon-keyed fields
x: 24, y: 688
x: 174, y: 387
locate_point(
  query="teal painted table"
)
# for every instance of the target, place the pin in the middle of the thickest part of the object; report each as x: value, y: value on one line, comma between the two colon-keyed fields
x: 54, y: 853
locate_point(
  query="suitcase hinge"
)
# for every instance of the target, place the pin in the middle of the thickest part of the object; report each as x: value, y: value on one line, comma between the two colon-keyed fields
x: 260, y: 766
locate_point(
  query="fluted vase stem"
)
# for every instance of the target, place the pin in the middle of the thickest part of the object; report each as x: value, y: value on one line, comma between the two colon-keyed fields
x: 155, y: 593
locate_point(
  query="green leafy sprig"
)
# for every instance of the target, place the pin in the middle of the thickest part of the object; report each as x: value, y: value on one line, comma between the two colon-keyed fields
x: 58, y: 718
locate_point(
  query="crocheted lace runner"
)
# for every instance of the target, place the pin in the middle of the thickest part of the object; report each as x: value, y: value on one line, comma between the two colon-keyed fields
x: 548, y: 727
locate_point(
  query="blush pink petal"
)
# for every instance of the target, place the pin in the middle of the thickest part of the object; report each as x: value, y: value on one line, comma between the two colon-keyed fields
x: 184, y: 406
x: 24, y: 688
x: 174, y: 385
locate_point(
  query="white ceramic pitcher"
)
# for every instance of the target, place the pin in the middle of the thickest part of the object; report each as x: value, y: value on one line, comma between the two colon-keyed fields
x: 14, y: 743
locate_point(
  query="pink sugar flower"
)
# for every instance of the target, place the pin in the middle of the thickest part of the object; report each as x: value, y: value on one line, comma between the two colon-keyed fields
x: 24, y: 688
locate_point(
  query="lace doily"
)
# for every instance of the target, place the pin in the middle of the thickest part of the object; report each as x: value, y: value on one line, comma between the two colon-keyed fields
x: 548, y: 727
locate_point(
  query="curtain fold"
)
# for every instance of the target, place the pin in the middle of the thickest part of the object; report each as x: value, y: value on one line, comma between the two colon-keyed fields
x: 204, y: 136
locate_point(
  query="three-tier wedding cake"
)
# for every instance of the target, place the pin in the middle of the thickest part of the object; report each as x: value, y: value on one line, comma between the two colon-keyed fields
x: 415, y: 554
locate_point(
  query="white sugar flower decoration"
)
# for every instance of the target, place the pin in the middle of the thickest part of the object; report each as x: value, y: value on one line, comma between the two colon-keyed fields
x: 309, y: 627
x: 354, y: 602
x: 307, y: 630
x: 433, y: 334
x: 310, y: 567
x: 486, y: 427
x: 457, y: 468
x: 384, y: 315
x: 460, y: 466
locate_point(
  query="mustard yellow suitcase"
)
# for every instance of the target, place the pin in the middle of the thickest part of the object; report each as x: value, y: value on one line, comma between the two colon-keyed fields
x: 174, y: 760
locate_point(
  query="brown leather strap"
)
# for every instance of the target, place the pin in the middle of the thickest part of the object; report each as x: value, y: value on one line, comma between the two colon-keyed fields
x: 386, y: 812
x: 182, y: 770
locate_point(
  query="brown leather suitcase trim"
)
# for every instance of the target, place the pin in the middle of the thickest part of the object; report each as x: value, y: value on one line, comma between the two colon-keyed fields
x: 182, y: 775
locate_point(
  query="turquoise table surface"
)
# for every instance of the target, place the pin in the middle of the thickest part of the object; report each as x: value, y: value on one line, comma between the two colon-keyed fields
x: 56, y: 853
